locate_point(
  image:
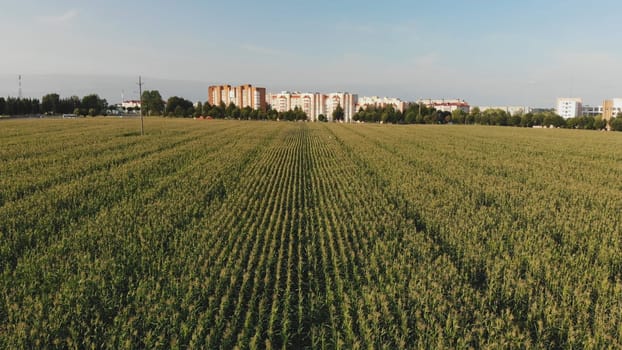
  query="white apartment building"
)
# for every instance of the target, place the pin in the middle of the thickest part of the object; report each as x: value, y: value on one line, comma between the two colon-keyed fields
x: 315, y: 104
x: 444, y: 105
x: 569, y: 107
x: 511, y: 110
x: 380, y: 102
x: 592, y: 111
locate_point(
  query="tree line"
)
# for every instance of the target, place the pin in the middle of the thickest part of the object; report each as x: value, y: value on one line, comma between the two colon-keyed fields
x: 53, y: 104
x: 19, y: 106
x: 420, y: 114
x: 175, y: 106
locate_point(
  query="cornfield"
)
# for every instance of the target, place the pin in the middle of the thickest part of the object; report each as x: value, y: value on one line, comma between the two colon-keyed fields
x: 279, y: 235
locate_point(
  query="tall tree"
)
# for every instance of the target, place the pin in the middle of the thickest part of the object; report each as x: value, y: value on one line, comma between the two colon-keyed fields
x: 93, y: 102
x: 458, y: 116
x: 230, y: 110
x: 198, y: 109
x: 152, y: 103
x: 616, y: 123
x: 338, y: 113
x: 50, y: 103
x: 174, y: 102
x: 206, y: 108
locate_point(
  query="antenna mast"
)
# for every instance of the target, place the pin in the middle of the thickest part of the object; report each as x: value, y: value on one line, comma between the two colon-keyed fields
x: 19, y: 92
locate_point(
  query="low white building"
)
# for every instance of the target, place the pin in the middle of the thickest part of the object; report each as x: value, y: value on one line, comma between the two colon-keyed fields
x: 380, y: 102
x: 130, y: 104
x: 592, y: 111
x: 446, y: 105
x: 569, y: 107
x: 511, y: 110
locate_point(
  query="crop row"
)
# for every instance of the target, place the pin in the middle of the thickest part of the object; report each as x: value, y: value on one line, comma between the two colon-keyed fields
x: 297, y: 235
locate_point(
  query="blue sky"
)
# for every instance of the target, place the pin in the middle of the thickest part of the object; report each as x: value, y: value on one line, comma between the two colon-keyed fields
x: 488, y: 52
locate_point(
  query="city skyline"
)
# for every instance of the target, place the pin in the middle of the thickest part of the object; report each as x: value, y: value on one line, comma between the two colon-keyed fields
x: 488, y: 53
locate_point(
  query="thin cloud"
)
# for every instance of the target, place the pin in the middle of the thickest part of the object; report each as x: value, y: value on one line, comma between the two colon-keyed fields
x: 357, y: 28
x: 427, y: 60
x: 261, y: 50
x: 63, y: 18
x: 399, y: 29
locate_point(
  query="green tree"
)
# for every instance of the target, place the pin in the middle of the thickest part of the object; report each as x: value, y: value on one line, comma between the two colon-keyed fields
x: 189, y: 112
x: 235, y: 112
x: 537, y: 119
x: 552, y: 119
x: 152, y: 102
x: 600, y: 123
x: 198, y: 109
x: 68, y: 105
x: 273, y: 114
x: 50, y: 103
x: 246, y: 113
x: 526, y: 120
x: 174, y: 102
x: 215, y: 112
x: 206, y: 108
x: 474, y: 115
x: 515, y: 120
x: 230, y: 110
x: 93, y: 101
x: 494, y: 117
x: 338, y: 114
x: 616, y: 124
x: 458, y: 116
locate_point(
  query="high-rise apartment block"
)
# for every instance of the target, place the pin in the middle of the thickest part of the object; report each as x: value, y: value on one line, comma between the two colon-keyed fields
x: 315, y: 104
x: 569, y: 107
x: 242, y: 96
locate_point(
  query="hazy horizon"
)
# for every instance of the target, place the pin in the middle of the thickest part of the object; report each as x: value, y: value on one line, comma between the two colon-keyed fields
x: 486, y: 52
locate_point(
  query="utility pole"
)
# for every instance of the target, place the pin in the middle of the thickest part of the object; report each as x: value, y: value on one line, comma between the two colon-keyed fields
x: 140, y: 91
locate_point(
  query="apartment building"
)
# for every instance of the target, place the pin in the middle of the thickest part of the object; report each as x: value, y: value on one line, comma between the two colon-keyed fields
x: 241, y: 96
x: 569, y: 107
x: 315, y: 104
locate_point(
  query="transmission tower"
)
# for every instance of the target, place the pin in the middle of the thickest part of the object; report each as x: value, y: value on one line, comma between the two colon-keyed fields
x: 19, y: 91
